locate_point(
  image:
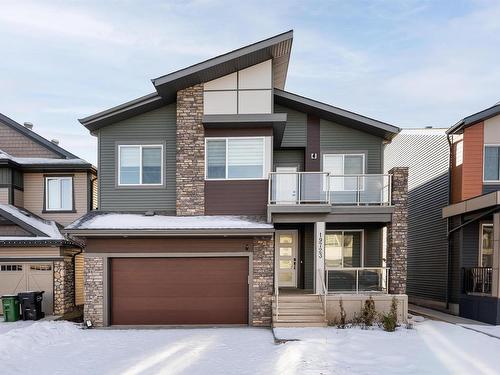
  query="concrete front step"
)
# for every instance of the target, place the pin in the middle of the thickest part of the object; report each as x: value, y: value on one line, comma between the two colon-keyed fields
x: 299, y: 298
x: 293, y: 311
x: 281, y: 324
x: 301, y: 318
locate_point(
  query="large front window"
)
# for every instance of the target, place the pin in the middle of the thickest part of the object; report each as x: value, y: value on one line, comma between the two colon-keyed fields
x: 235, y: 158
x: 140, y: 165
x: 486, y: 245
x: 343, y: 249
x: 59, y: 193
x: 492, y: 163
x: 340, y: 166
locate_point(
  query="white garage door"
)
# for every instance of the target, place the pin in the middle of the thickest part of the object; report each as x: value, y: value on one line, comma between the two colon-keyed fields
x: 21, y: 277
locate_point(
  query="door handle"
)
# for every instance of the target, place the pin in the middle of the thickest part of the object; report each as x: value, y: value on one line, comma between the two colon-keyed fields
x: 294, y: 263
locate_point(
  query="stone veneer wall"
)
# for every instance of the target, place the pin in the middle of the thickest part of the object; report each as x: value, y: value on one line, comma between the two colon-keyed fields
x: 190, y: 159
x: 64, y: 286
x: 94, y: 290
x: 397, y: 232
x: 263, y: 278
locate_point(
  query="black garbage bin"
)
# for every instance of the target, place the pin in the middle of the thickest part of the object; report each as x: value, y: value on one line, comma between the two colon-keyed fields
x: 31, y: 305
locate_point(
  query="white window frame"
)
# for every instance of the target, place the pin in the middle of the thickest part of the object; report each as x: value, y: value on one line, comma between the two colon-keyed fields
x: 47, y: 208
x: 481, y: 231
x: 484, y: 163
x: 362, y: 250
x: 264, y: 160
x: 140, y: 163
x: 362, y: 187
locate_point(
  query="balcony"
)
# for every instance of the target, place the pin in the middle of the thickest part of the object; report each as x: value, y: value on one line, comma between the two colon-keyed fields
x: 322, y: 188
x: 477, y: 280
x: 357, y: 280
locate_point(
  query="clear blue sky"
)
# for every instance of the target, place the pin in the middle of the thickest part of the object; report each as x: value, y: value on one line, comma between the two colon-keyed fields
x: 409, y: 63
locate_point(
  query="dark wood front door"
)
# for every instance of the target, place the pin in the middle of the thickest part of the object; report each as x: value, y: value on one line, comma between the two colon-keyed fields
x: 179, y: 291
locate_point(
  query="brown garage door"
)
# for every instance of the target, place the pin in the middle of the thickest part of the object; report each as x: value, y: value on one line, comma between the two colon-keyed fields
x: 179, y: 291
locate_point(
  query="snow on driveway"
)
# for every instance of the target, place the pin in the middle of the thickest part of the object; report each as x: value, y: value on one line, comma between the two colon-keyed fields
x: 64, y: 348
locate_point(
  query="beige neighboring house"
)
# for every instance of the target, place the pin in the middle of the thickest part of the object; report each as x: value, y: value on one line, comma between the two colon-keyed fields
x: 42, y: 188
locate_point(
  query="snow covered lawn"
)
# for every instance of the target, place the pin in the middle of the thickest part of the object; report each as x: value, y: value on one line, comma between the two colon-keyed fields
x: 64, y: 348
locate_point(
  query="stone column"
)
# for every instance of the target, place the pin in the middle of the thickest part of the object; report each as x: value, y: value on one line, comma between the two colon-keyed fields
x: 397, y: 232
x: 263, y: 277
x: 319, y: 256
x: 190, y: 159
x: 94, y: 290
x: 64, y: 286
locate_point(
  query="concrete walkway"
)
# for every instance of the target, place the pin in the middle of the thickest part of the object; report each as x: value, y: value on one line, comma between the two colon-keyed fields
x: 442, y: 316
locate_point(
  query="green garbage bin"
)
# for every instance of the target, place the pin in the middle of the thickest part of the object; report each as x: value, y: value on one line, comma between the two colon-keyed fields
x: 10, y: 308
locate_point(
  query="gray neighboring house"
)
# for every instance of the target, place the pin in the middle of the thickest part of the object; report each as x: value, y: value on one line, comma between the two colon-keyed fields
x: 224, y: 199
x: 425, y: 152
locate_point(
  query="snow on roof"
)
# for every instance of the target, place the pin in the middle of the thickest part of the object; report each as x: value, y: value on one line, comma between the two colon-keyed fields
x: 129, y: 221
x: 35, y: 161
x: 45, y: 226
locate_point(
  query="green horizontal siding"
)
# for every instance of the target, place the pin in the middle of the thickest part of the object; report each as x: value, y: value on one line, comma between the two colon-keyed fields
x: 296, y: 127
x: 158, y: 126
x: 288, y: 158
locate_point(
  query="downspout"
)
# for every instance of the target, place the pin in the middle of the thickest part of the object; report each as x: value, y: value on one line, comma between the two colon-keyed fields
x: 74, y: 274
x: 448, y: 255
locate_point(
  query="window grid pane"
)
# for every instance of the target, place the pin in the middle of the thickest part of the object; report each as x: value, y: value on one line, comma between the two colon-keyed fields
x: 130, y: 165
x: 245, y: 158
x: 151, y: 165
x: 216, y: 158
x: 492, y: 163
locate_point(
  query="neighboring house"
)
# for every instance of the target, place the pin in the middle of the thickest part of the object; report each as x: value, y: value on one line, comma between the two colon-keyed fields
x: 426, y: 153
x: 42, y: 188
x: 224, y: 199
x: 474, y: 216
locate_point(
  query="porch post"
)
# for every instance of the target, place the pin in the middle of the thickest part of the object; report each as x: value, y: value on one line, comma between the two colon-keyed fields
x: 495, y: 287
x: 397, y: 232
x: 319, y: 255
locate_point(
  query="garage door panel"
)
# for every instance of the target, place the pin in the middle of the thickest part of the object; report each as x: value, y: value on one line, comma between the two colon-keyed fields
x: 179, y: 290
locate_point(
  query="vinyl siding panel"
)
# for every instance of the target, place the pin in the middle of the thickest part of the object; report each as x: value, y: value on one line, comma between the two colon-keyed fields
x: 31, y: 252
x: 490, y: 188
x: 335, y: 138
x: 79, y: 280
x: 247, y: 197
x: 287, y: 158
x: 34, y: 185
x: 17, y: 144
x: 296, y: 127
x: 472, y: 170
x: 158, y: 126
x: 4, y: 195
x: 5, y: 176
x: 426, y: 154
x: 18, y: 198
x: 309, y: 256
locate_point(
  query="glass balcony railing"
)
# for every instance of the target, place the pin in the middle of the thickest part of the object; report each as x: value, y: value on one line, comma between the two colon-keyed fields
x: 323, y: 188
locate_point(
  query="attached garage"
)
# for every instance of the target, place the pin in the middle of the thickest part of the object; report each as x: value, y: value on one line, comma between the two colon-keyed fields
x: 179, y: 290
x: 21, y: 277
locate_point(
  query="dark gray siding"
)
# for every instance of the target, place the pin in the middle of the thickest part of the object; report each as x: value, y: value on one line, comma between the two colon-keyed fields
x: 342, y: 139
x: 373, y: 247
x: 425, y: 152
x: 309, y: 256
x: 289, y: 158
x: 470, y: 245
x: 158, y: 126
x: 295, y: 130
x: 490, y: 188
x: 5, y: 176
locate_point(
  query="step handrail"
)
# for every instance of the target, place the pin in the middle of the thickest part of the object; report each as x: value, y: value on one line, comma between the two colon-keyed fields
x: 324, y: 291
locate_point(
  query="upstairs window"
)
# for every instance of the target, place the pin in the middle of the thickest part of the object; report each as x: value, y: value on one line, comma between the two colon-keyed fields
x: 492, y: 163
x: 340, y: 166
x: 59, y: 193
x: 140, y: 165
x: 235, y: 158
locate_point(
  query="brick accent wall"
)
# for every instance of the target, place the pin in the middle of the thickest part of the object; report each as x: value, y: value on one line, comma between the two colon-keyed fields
x: 94, y: 290
x: 397, y: 232
x: 263, y: 278
x: 64, y: 287
x: 190, y: 161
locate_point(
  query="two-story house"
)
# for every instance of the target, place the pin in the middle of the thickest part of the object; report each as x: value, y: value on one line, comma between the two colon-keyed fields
x: 224, y: 199
x: 42, y: 188
x: 474, y: 216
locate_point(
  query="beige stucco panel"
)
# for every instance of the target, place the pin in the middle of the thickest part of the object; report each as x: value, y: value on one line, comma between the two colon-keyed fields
x: 34, y: 194
x: 492, y: 130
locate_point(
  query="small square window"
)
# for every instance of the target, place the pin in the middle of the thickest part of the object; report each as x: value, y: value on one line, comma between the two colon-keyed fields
x: 140, y: 165
x: 59, y: 193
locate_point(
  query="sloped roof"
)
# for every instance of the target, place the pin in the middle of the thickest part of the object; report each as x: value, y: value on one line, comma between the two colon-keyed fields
x: 36, y: 137
x: 335, y: 114
x: 475, y: 118
x: 42, y: 232
x: 96, y: 222
x: 44, y: 163
x: 277, y: 48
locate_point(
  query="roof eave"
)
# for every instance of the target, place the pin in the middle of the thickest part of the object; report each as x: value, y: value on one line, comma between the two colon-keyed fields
x: 168, y: 232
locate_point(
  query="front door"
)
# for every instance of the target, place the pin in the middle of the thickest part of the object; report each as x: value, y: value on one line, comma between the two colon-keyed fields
x: 286, y: 258
x: 286, y: 185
